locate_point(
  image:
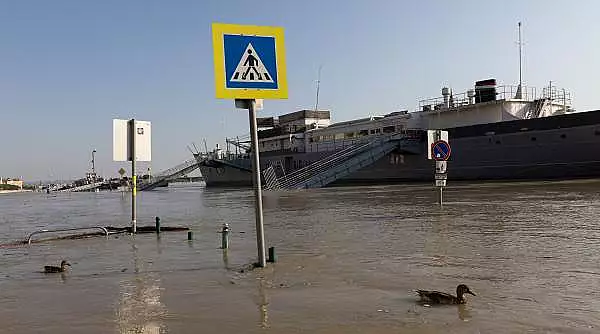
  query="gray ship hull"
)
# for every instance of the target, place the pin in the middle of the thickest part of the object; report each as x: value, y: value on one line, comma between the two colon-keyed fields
x: 557, y: 147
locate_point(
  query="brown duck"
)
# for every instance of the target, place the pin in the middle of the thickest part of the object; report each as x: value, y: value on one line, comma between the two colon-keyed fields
x: 436, y: 297
x: 55, y: 269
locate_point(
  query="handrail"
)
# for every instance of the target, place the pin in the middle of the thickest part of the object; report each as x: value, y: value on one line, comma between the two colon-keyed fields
x: 170, y: 173
x: 293, y: 179
x: 64, y: 230
x: 300, y: 177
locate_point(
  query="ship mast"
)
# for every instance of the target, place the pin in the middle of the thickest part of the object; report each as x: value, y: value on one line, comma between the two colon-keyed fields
x: 318, y: 85
x: 519, y: 89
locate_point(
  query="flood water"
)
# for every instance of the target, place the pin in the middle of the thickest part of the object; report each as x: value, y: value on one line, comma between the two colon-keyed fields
x: 348, y: 261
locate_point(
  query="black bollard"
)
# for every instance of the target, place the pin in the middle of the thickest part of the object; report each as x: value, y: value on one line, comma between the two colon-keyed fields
x: 157, y: 224
x: 272, y: 257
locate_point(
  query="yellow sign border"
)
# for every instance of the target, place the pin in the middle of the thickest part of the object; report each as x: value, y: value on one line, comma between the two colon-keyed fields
x: 222, y: 92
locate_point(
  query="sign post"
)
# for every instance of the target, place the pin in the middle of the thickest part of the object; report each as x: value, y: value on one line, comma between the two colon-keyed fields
x: 132, y: 142
x: 250, y: 65
x: 439, y: 151
x: 133, y: 176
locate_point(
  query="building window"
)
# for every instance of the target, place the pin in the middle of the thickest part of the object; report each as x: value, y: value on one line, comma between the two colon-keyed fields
x: 563, y: 136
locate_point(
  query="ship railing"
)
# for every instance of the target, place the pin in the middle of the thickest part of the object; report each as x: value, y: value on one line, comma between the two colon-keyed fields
x: 557, y: 95
x: 505, y: 92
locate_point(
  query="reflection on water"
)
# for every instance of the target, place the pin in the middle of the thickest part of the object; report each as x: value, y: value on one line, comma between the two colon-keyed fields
x: 463, y: 312
x: 262, y: 303
x: 139, y: 309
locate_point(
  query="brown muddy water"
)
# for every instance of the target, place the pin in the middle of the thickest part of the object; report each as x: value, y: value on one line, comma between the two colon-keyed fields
x: 349, y: 260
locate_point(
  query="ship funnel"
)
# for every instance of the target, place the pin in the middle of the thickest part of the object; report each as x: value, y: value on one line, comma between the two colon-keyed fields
x: 446, y: 95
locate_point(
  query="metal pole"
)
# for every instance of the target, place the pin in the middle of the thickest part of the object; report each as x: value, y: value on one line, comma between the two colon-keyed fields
x: 520, y: 46
x: 93, y: 162
x: 132, y: 133
x: 260, y: 234
x: 318, y: 86
x: 441, y: 196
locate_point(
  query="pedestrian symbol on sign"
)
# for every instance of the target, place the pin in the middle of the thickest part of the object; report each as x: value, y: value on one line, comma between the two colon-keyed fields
x: 250, y: 68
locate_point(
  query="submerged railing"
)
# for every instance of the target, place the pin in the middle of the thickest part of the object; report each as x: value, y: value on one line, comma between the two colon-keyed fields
x: 66, y: 230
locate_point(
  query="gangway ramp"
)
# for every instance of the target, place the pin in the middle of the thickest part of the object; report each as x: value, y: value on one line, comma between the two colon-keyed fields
x: 163, y: 177
x: 343, y: 163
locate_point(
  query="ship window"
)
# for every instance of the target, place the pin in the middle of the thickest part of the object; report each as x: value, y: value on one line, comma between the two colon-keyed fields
x: 533, y: 139
x: 363, y: 132
x: 389, y: 129
x: 349, y: 134
x: 563, y: 136
x: 497, y: 142
x: 372, y: 131
x: 597, y: 132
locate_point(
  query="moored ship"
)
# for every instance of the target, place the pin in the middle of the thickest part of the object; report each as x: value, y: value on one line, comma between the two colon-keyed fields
x: 496, y: 132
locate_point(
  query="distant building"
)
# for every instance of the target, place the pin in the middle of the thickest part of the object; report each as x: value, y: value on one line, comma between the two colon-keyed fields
x: 13, y: 182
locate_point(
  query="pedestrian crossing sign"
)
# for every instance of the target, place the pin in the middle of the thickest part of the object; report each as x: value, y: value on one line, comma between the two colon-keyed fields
x: 249, y: 62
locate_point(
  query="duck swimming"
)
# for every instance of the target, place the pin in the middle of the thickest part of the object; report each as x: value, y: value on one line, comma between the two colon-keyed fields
x: 436, y: 297
x: 55, y: 269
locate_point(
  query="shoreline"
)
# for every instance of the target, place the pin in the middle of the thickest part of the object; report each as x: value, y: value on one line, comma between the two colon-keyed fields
x: 15, y: 191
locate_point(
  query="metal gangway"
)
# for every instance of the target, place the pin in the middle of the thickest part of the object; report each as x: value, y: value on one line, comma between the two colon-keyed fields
x: 163, y: 177
x: 342, y: 163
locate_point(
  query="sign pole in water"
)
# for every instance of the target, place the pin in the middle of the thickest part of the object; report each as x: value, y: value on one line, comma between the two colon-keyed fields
x: 440, y: 152
x: 250, y: 65
x: 132, y: 142
x: 133, y: 176
x: 260, y: 232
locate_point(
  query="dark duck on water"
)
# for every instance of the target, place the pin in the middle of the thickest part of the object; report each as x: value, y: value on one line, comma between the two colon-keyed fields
x: 436, y: 297
x: 55, y: 269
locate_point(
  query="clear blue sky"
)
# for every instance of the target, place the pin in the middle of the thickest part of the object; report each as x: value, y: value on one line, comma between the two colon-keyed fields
x: 67, y: 68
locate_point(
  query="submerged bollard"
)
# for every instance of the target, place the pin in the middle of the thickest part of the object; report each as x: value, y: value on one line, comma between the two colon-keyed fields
x: 157, y: 224
x: 225, y: 236
x: 190, y: 235
x: 272, y: 257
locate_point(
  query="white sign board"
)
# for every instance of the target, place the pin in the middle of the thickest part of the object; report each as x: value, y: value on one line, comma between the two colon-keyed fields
x: 441, y: 166
x: 432, y: 137
x: 441, y: 176
x: 440, y: 183
x: 122, y: 140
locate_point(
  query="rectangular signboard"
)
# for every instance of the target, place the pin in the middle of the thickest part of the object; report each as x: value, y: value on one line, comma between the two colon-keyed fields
x: 122, y: 140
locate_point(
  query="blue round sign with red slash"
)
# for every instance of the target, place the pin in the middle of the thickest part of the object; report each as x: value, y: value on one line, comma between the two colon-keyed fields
x: 440, y: 150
